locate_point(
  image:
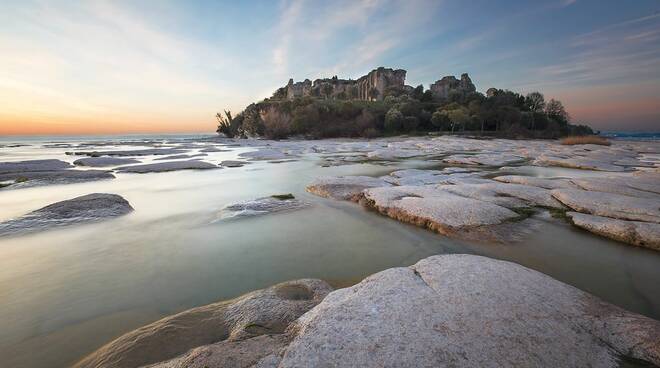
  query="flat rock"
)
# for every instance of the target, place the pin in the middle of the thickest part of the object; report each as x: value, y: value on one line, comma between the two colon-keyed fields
x: 36, y: 178
x: 489, y: 159
x: 578, y: 163
x: 104, y: 161
x: 32, y: 165
x: 536, y: 182
x: 620, y: 185
x: 261, y: 206
x: 642, y: 234
x: 610, y: 205
x: 265, y: 155
x: 168, y: 166
x: 180, y: 157
x: 344, y: 187
x: 140, y: 152
x: 79, y: 210
x: 507, y: 195
x: 466, y: 311
x: 235, y: 322
x: 434, y: 208
x: 233, y: 163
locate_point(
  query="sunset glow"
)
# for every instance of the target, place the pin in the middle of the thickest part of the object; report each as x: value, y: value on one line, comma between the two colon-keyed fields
x: 100, y: 67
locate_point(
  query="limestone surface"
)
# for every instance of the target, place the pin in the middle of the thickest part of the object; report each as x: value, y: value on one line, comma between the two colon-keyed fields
x: 262, y: 312
x: 642, y: 234
x: 261, y: 206
x: 467, y: 311
x: 168, y: 166
x: 344, y: 187
x: 79, y: 210
x: 104, y: 161
x: 32, y: 165
x: 610, y: 205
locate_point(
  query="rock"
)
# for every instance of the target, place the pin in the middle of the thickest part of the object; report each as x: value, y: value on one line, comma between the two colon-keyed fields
x: 235, y: 354
x: 265, y: 155
x: 233, y: 163
x: 618, y: 185
x: 434, y: 208
x: 425, y: 177
x: 179, y: 157
x: 104, y: 161
x: 168, y: 166
x: 466, y: 311
x: 643, y: 234
x: 262, y: 206
x: 391, y: 154
x: 36, y: 178
x: 140, y: 152
x: 490, y: 159
x: 507, y: 195
x: 213, y: 149
x: 577, y: 163
x: 610, y: 205
x: 79, y: 210
x: 344, y: 187
x: 230, y: 326
x: 32, y: 165
x: 536, y: 182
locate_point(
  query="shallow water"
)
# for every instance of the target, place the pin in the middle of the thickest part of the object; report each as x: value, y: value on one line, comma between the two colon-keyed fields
x: 64, y: 293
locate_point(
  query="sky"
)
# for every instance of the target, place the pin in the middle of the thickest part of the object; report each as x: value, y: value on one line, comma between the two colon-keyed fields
x: 113, y: 67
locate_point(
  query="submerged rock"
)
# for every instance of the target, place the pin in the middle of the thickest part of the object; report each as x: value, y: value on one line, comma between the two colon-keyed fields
x: 344, y: 187
x: 32, y: 165
x: 79, y: 210
x: 610, y: 205
x: 233, y: 163
x: 232, y: 327
x: 104, y: 161
x: 265, y: 155
x: 467, y: 311
x: 180, y: 157
x: 262, y: 206
x: 140, y: 152
x: 168, y: 166
x: 642, y: 234
x: 36, y: 178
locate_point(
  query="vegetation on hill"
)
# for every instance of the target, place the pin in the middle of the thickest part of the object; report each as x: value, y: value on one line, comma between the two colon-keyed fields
x: 503, y: 114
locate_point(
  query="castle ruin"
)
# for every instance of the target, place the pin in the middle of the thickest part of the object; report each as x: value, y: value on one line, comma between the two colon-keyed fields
x: 373, y: 86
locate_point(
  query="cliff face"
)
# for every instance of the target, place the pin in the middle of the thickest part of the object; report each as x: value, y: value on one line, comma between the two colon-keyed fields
x: 367, y: 88
x: 443, y: 87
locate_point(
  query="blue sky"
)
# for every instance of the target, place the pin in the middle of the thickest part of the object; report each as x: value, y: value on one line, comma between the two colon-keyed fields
x: 129, y: 66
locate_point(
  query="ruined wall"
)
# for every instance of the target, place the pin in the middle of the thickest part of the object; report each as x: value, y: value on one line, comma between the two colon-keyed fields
x: 378, y: 80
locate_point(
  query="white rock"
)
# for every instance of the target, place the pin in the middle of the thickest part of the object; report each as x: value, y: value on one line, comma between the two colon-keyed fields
x: 344, y: 187
x: 643, y: 234
x: 610, y: 205
x: 168, y: 166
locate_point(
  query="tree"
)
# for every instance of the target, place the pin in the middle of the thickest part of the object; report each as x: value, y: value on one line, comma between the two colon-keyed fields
x: 555, y: 110
x: 225, y: 124
x: 327, y: 89
x: 440, y: 120
x: 393, y: 120
x: 535, y: 102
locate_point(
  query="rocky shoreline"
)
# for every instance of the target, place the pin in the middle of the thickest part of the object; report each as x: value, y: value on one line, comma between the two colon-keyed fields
x: 448, y: 310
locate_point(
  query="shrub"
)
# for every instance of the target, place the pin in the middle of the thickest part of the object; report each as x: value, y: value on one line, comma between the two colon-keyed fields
x: 393, y: 120
x: 586, y: 139
x: 277, y: 124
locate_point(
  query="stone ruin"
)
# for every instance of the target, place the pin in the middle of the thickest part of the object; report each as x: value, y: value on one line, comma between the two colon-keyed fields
x: 367, y: 88
x: 372, y: 87
x: 442, y: 88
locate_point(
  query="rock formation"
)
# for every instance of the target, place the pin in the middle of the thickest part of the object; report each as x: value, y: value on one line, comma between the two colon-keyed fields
x: 444, y: 311
x: 449, y: 84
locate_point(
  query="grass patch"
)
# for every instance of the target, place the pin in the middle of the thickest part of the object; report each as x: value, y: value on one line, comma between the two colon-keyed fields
x: 21, y: 179
x: 524, y: 212
x: 4, y: 185
x: 585, y: 139
x: 558, y: 213
x: 283, y: 197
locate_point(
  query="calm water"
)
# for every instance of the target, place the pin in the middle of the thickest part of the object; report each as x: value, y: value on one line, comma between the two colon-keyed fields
x: 64, y: 293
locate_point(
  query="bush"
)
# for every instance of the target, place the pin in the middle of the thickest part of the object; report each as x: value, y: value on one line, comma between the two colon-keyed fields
x: 410, y: 123
x: 277, y: 124
x: 393, y: 120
